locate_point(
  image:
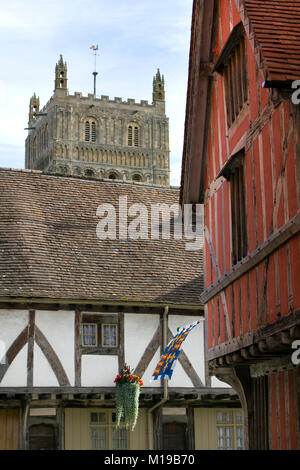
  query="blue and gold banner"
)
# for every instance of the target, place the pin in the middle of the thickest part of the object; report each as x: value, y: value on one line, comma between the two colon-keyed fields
x: 167, y: 362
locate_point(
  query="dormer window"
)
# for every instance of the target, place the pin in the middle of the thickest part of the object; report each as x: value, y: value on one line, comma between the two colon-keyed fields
x: 232, y: 64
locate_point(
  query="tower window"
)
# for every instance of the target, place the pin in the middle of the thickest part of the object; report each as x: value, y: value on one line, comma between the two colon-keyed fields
x: 90, y: 130
x: 130, y: 136
x: 87, y: 131
x: 93, y: 132
x: 136, y: 136
x: 133, y: 136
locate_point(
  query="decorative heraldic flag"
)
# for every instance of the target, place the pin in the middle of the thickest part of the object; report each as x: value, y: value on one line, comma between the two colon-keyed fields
x: 166, y: 365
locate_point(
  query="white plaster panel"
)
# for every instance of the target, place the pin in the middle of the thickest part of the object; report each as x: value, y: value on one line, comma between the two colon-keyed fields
x: 138, y: 332
x: 179, y: 377
x: 147, y: 377
x: 193, y: 346
x: 16, y: 375
x: 43, y: 375
x: 12, y: 323
x: 98, y: 371
x: 217, y: 383
x: 59, y: 329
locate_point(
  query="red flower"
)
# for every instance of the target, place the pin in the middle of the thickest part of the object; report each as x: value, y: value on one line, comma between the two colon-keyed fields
x: 131, y: 378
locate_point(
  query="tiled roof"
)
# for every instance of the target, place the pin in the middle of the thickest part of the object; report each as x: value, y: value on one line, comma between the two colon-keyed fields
x: 276, y: 25
x: 49, y: 248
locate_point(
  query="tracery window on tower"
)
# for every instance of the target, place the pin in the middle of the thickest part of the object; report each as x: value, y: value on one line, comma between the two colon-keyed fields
x: 90, y: 130
x: 93, y: 131
x: 133, y: 135
x: 160, y: 95
x: 87, y: 131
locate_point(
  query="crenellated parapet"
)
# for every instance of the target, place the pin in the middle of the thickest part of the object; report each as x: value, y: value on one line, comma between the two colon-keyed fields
x: 120, y: 137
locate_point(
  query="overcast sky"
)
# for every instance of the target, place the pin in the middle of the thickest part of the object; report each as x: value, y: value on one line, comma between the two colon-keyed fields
x: 135, y: 38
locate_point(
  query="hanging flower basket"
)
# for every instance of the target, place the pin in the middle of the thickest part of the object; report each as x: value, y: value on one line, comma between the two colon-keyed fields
x: 127, y: 398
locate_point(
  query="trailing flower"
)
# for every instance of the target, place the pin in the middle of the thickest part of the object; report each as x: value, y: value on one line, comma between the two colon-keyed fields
x: 127, y: 397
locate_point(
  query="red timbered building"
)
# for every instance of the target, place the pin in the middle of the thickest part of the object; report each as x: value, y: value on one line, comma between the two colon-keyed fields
x: 241, y: 159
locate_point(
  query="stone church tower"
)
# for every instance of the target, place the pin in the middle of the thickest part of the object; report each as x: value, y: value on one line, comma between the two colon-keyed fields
x: 99, y: 137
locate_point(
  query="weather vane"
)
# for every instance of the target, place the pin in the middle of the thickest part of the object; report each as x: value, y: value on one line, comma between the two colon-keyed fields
x: 95, y: 73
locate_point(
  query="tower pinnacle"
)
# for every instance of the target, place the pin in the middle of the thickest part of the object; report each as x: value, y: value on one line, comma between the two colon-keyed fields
x: 158, y: 87
x: 61, y: 74
x: 34, y: 107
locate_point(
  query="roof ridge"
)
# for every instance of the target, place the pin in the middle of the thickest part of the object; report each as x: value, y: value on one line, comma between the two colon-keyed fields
x: 89, y: 178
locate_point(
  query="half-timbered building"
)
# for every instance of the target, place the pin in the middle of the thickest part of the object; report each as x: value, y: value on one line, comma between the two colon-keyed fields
x: 74, y: 308
x: 241, y: 160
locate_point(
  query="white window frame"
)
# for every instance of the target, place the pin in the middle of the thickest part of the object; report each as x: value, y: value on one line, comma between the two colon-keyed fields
x: 109, y: 427
x: 102, y: 335
x: 233, y: 424
x: 96, y: 335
